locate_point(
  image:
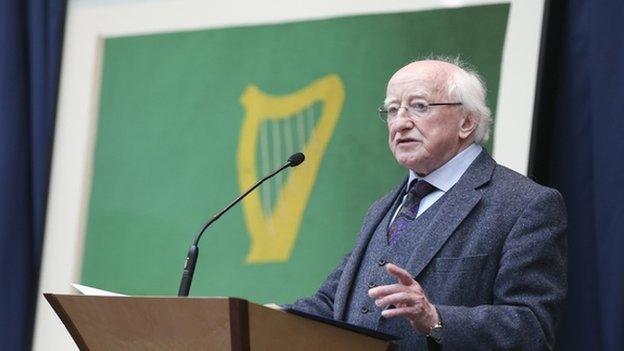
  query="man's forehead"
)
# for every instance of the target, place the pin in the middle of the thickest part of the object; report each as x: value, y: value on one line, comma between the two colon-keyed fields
x: 425, y: 76
x: 413, y: 86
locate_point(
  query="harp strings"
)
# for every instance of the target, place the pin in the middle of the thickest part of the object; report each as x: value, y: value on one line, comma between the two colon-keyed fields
x: 280, y: 138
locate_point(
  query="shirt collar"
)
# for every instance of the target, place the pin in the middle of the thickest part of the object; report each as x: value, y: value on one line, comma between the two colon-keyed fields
x: 449, y: 173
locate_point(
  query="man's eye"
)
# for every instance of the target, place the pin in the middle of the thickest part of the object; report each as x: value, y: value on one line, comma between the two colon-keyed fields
x: 392, y: 110
x: 420, y: 106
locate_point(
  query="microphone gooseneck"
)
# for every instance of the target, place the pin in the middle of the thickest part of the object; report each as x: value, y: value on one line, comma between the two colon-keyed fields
x: 191, y: 257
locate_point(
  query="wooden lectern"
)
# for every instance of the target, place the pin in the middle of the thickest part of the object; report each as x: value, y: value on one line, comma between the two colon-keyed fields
x: 172, y: 323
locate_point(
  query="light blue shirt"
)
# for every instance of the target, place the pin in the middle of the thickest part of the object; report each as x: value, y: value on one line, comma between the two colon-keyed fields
x: 444, y: 177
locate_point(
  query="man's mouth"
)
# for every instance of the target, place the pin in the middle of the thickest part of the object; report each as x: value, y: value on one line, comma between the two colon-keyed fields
x: 402, y: 141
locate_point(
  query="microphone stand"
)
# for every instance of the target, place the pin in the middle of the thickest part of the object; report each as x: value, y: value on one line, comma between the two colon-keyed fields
x: 193, y: 252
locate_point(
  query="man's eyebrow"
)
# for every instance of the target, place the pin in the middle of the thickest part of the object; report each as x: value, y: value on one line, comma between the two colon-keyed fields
x: 416, y: 94
x: 389, y: 100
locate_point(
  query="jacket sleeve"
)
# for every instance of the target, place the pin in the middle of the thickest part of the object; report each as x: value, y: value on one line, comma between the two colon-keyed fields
x: 529, y: 288
x: 322, y: 302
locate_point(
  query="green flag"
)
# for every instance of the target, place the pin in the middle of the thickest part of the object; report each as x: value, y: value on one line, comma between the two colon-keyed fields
x: 188, y: 120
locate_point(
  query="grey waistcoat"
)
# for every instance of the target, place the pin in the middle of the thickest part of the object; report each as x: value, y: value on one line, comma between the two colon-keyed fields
x: 362, y: 310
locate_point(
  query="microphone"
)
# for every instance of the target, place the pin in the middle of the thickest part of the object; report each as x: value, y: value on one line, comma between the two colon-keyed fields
x: 191, y: 257
x: 296, y: 159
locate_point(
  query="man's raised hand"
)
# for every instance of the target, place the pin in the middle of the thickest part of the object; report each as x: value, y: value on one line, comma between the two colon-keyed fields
x: 408, y: 299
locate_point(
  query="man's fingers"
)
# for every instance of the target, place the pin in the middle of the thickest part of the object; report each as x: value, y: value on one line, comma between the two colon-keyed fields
x: 403, y: 276
x: 399, y: 299
x: 385, y: 290
x: 405, y: 282
x: 408, y: 312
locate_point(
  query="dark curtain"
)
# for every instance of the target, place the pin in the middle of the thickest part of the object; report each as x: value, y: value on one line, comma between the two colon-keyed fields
x: 30, y: 51
x: 580, y: 151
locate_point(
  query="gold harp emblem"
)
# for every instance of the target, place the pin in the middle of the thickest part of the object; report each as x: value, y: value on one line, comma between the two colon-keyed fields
x: 275, y: 127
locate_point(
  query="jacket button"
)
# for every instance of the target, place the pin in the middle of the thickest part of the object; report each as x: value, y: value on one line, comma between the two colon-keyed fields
x: 371, y: 285
x: 381, y: 262
x: 365, y: 310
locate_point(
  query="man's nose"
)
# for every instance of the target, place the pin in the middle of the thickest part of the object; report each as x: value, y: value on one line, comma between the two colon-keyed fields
x: 403, y: 112
x: 403, y: 119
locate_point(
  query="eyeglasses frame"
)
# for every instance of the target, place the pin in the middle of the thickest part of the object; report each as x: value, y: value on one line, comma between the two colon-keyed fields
x: 383, y: 113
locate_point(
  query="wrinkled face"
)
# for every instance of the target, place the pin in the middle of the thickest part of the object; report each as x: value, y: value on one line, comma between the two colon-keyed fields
x: 423, y: 143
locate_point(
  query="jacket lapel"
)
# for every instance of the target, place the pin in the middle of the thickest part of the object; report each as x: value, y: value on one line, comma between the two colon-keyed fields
x: 460, y: 200
x: 374, y: 216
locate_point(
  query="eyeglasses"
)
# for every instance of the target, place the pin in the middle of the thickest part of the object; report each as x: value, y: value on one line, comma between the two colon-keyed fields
x: 416, y: 109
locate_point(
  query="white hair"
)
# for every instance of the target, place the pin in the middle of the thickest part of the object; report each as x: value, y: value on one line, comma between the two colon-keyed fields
x: 466, y: 86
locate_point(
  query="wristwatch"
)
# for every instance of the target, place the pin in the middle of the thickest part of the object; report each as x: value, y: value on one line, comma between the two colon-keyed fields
x: 435, y: 333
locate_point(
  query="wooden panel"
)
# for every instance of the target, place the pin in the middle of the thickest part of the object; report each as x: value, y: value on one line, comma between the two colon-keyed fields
x: 239, y: 324
x: 274, y: 330
x: 131, y: 323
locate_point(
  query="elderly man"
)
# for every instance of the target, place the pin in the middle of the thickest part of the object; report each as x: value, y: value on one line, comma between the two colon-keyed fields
x: 463, y: 255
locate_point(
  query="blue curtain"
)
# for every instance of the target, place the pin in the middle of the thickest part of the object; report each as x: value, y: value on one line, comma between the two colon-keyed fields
x: 580, y: 151
x: 30, y: 51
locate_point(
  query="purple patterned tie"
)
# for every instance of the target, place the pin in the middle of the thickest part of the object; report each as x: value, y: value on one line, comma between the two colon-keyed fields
x: 409, y: 210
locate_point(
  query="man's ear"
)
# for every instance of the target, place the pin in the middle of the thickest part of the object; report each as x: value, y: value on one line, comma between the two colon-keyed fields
x: 468, y: 125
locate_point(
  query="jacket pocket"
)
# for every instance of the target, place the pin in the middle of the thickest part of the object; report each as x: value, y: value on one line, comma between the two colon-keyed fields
x: 460, y: 264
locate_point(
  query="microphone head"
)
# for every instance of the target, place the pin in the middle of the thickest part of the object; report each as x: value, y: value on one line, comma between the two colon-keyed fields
x: 296, y: 159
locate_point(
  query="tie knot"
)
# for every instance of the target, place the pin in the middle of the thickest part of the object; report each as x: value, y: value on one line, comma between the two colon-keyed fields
x: 421, y: 189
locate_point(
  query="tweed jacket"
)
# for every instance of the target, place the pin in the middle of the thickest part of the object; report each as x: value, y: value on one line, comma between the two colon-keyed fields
x: 492, y: 261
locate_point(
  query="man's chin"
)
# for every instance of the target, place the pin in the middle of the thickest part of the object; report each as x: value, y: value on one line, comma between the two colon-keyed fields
x: 411, y: 163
